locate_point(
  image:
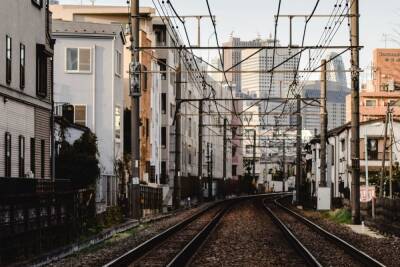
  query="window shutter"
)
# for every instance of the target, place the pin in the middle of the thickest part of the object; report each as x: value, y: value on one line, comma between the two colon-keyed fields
x: 84, y: 59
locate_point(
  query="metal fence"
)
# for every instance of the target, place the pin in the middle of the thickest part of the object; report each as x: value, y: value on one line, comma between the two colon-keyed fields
x: 36, y: 216
x: 150, y: 197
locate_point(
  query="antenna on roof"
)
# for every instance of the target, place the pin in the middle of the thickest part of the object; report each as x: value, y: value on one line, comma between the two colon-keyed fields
x: 92, y: 1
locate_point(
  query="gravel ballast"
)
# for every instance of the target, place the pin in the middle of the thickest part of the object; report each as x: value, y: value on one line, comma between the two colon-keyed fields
x: 246, y: 236
x: 386, y: 250
x: 103, y: 253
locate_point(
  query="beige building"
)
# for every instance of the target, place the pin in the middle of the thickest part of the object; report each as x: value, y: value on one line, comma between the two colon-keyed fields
x: 26, y: 95
x: 384, y: 89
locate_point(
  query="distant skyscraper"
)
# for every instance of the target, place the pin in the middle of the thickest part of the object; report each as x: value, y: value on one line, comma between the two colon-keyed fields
x: 336, y: 97
x: 336, y: 69
x: 257, y: 82
x: 234, y: 56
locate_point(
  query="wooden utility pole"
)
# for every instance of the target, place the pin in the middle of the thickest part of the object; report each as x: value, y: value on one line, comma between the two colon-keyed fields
x: 254, y: 155
x: 200, y: 147
x: 355, y: 115
x: 284, y: 164
x: 135, y: 92
x: 383, y: 170
x: 323, y: 118
x: 298, y: 151
x: 391, y: 157
x: 178, y: 134
x: 224, y: 157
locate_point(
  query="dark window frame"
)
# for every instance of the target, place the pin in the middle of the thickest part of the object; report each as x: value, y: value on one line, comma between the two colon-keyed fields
x: 22, y: 64
x: 163, y: 103
x: 42, y: 157
x: 33, y: 155
x: 8, y: 59
x: 21, y: 155
x: 7, y: 154
x: 41, y: 71
x: 163, y: 178
x: 145, y: 77
x: 163, y: 137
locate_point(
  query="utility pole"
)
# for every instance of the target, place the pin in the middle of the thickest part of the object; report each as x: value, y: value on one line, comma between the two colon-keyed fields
x: 224, y: 157
x: 177, y: 180
x: 323, y: 116
x: 284, y: 163
x: 210, y: 175
x: 391, y: 157
x: 135, y: 93
x: 355, y: 115
x: 254, y: 155
x: 200, y: 158
x: 383, y: 171
x: 298, y: 151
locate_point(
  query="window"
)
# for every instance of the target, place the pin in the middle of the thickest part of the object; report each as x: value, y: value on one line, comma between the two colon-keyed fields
x: 234, y: 170
x: 41, y: 71
x: 42, y: 157
x: 394, y: 102
x: 249, y: 149
x: 38, y: 3
x: 163, y: 68
x: 370, y: 102
x: 117, y: 122
x: 160, y: 32
x: 190, y: 158
x: 343, y: 145
x: 234, y: 151
x: 190, y: 127
x: 7, y: 158
x: 80, y: 115
x: 372, y: 148
x: 163, y: 179
x: 33, y: 155
x: 22, y: 66
x: 118, y: 63
x: 164, y: 137
x: 8, y: 59
x: 78, y: 60
x: 163, y: 103
x: 21, y: 156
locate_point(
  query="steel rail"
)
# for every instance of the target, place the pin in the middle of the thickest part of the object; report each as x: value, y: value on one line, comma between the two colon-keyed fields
x: 293, y: 240
x: 350, y: 249
x: 145, y: 247
x: 187, y: 253
x: 151, y: 243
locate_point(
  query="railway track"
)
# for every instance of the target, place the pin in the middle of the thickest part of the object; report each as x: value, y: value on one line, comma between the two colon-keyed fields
x: 316, y: 245
x: 176, y: 245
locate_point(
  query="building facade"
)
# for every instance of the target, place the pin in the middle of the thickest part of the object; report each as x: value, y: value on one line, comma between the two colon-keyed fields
x: 383, y: 90
x: 89, y: 76
x: 339, y: 155
x: 26, y: 90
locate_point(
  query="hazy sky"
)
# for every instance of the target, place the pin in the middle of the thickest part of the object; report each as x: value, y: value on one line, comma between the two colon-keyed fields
x: 250, y: 18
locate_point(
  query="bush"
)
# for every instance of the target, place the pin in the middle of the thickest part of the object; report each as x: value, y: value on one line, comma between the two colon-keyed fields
x: 78, y: 162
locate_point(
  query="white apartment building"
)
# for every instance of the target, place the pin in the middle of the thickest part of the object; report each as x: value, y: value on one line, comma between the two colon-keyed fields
x: 339, y: 154
x: 88, y: 75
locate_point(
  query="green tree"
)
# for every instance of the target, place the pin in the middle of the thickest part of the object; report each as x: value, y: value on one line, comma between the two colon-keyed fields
x: 79, y: 162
